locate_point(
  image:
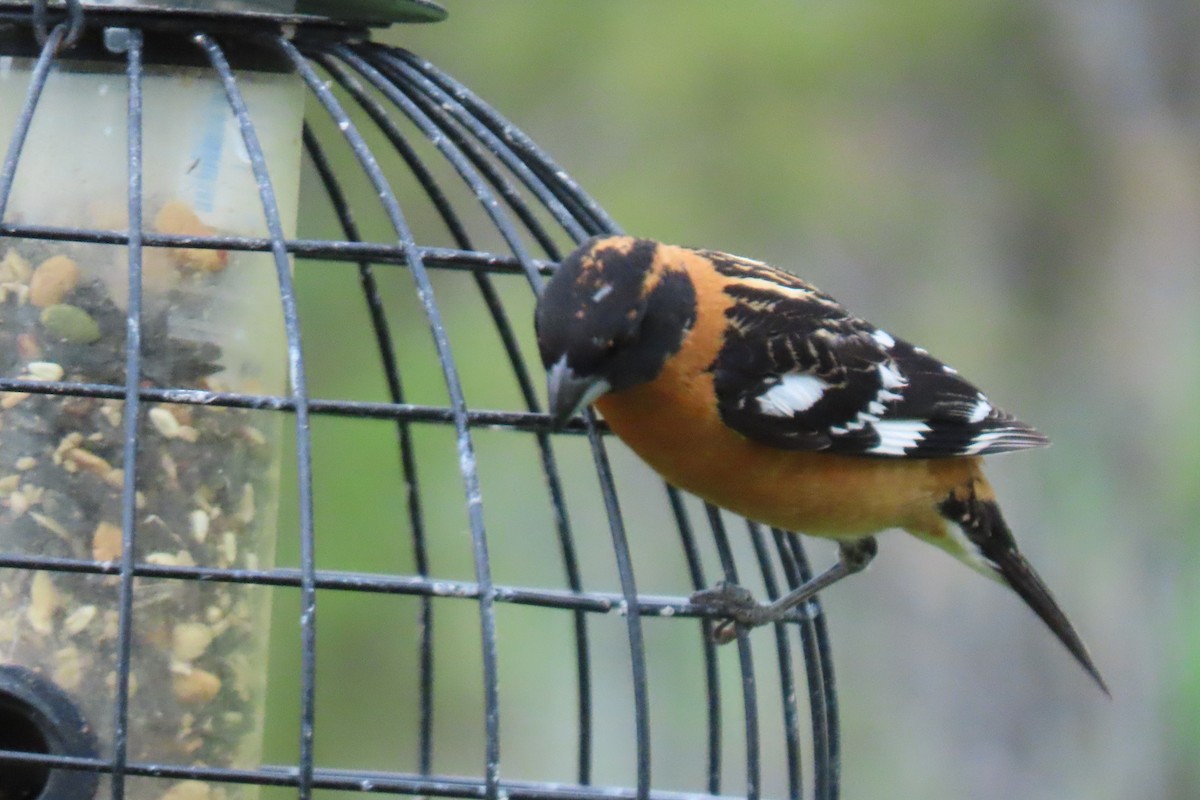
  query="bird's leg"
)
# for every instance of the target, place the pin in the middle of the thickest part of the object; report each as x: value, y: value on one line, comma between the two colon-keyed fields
x: 739, y: 605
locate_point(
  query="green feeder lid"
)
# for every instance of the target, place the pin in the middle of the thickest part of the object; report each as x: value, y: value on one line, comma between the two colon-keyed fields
x: 374, y: 11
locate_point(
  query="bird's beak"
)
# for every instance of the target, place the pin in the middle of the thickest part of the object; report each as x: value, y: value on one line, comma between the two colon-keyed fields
x: 569, y: 393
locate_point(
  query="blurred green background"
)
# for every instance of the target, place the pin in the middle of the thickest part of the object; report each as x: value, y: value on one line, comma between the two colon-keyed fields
x: 1016, y: 186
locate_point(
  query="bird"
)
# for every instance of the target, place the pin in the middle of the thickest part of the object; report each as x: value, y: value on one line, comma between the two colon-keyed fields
x: 752, y: 389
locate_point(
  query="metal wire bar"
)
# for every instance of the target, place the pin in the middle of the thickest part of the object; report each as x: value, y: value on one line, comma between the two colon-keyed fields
x: 37, y: 82
x: 408, y: 462
x: 383, y: 121
x: 482, y: 167
x: 712, y: 675
x: 466, y: 451
x: 624, y: 564
x: 504, y: 329
x: 325, y: 250
x: 442, y: 100
x: 447, y: 148
x: 474, y: 168
x: 580, y: 205
x: 298, y: 391
x: 598, y: 602
x: 466, y: 130
x: 501, y: 420
x: 824, y: 654
x: 746, y: 660
x: 814, y: 642
x: 364, y: 781
x: 631, y: 604
x: 562, y: 525
x: 454, y: 98
x: 430, y: 118
x: 132, y: 415
x: 787, y: 686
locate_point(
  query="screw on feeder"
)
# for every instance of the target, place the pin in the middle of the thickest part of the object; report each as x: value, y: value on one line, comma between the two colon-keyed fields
x: 116, y: 40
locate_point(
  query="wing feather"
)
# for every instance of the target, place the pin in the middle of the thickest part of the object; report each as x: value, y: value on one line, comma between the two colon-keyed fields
x: 797, y: 371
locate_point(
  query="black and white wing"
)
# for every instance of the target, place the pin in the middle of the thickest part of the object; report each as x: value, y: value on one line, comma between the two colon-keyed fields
x: 796, y: 371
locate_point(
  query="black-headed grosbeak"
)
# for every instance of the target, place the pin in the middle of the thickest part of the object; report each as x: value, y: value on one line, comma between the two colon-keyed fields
x: 752, y: 389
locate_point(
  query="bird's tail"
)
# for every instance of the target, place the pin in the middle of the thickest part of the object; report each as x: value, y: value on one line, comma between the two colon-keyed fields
x: 980, y: 520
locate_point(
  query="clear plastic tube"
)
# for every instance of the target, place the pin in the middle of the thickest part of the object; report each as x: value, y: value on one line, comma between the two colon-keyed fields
x: 207, y: 478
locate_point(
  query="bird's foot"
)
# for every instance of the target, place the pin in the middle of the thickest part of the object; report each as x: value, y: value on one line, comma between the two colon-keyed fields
x: 736, y: 603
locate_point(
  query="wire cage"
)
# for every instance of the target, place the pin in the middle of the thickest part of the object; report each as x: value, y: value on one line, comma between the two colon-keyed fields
x: 497, y: 554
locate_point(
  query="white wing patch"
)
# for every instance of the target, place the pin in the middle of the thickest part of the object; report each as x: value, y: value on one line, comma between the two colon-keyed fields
x: 890, y: 376
x: 898, y: 436
x: 985, y: 440
x: 795, y: 392
x: 884, y: 338
x: 980, y: 411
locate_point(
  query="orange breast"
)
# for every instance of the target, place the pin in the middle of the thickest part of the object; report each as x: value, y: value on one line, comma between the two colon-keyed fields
x: 811, y: 492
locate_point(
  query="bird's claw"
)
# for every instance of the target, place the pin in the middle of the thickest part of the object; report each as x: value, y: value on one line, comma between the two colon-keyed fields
x: 726, y: 597
x: 731, y: 601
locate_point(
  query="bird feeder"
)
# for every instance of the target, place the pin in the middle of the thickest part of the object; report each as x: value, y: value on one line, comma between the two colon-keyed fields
x: 152, y: 379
